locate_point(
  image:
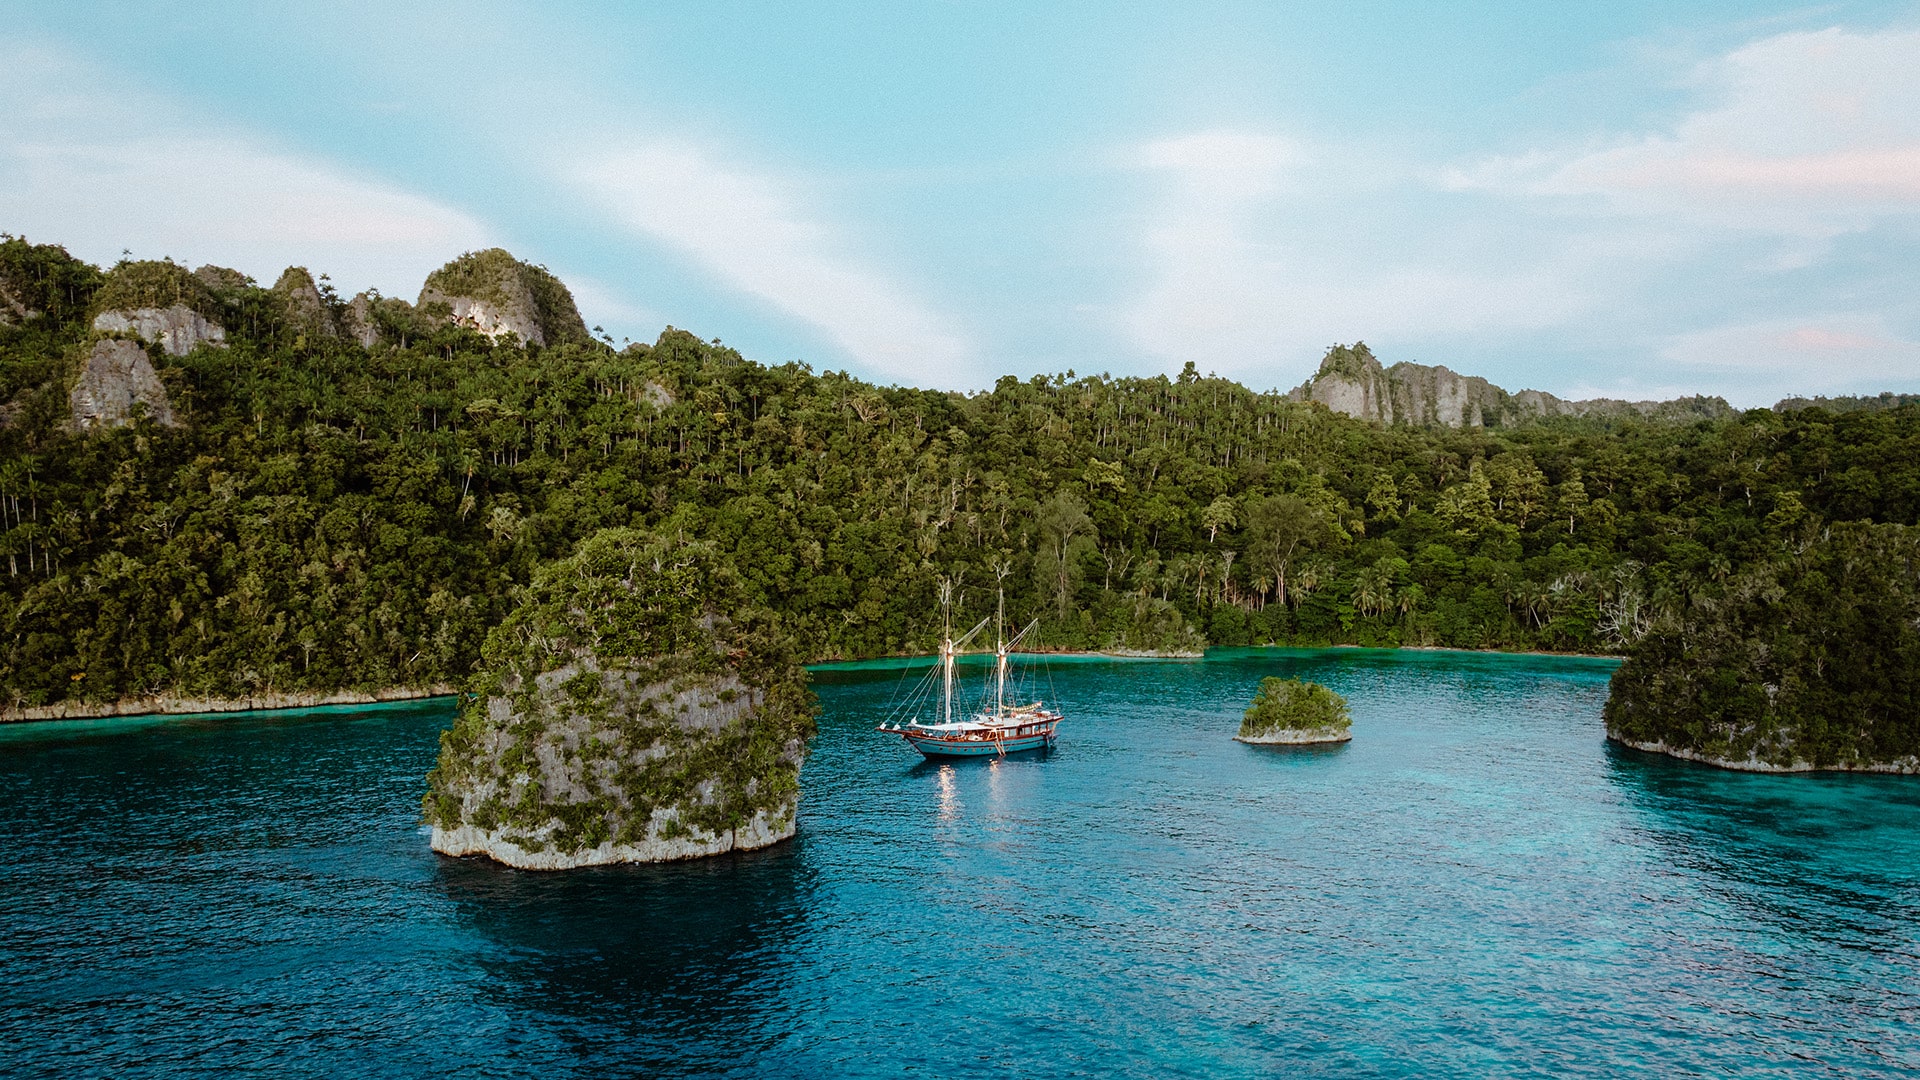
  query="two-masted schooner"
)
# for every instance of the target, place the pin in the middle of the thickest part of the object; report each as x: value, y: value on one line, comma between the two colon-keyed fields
x: 996, y: 729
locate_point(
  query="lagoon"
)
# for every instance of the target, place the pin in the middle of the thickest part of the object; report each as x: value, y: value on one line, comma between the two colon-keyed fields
x: 1476, y: 885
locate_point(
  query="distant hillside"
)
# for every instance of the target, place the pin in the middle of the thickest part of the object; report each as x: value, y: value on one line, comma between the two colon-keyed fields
x: 1353, y: 383
x: 1877, y: 403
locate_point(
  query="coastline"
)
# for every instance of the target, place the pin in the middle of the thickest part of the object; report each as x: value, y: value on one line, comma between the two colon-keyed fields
x: 173, y: 705
x: 1906, y: 767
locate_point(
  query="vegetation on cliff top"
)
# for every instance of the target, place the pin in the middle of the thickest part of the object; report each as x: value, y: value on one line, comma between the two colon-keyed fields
x: 1293, y: 705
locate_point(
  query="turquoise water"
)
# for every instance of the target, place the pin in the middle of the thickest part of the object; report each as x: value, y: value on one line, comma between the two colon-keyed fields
x: 1477, y: 885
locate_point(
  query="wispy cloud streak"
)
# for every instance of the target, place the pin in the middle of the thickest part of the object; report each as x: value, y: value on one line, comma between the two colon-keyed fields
x: 751, y: 233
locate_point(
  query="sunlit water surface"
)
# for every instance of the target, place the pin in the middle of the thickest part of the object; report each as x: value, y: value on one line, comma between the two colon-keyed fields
x: 1477, y: 885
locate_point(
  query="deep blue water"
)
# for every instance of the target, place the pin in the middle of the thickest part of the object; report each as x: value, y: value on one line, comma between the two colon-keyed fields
x: 1477, y: 885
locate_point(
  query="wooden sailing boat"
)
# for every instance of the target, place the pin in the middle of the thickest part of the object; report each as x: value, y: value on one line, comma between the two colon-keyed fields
x: 999, y: 729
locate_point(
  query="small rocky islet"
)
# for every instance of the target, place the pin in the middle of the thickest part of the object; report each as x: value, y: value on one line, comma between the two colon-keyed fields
x: 1290, y: 712
x: 635, y: 708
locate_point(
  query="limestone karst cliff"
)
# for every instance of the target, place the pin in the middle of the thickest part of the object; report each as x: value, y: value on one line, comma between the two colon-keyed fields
x: 159, y: 302
x: 117, y: 376
x: 498, y: 295
x: 305, y: 308
x: 634, y: 709
x: 1351, y: 381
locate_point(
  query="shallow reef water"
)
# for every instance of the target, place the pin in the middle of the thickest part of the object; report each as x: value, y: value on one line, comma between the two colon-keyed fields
x: 1476, y: 885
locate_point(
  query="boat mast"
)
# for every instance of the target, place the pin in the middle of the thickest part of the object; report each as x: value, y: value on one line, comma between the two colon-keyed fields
x: 946, y: 650
x: 1000, y: 656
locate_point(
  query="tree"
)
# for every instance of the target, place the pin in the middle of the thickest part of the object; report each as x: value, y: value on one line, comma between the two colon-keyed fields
x: 1065, y: 533
x: 1282, y: 528
x: 1219, y: 514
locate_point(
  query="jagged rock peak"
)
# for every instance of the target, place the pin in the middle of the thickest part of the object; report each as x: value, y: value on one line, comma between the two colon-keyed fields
x: 497, y: 294
x: 116, y: 376
x: 223, y: 280
x: 1352, y: 381
x: 159, y: 302
x: 357, y: 321
x: 300, y: 295
x: 635, y: 708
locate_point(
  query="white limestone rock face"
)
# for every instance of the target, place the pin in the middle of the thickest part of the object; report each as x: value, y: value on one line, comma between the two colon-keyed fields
x: 495, y: 319
x: 357, y: 321
x: 498, y: 295
x: 117, y: 375
x: 300, y: 295
x: 763, y: 830
x: 177, y: 329
x: 635, y: 708
x: 1298, y: 737
x: 1352, y: 382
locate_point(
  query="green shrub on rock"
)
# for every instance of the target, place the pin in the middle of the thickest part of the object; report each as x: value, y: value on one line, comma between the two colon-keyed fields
x: 1286, y: 707
x: 633, y: 708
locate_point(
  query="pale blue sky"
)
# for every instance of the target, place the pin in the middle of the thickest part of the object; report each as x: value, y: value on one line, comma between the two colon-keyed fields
x: 1627, y: 198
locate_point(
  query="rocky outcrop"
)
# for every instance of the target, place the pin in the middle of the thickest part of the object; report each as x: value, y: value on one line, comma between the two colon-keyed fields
x: 223, y: 280
x: 507, y: 300
x: 1298, y: 737
x: 1351, y: 381
x: 117, y: 376
x: 305, y: 308
x: 177, y: 329
x: 634, y: 709
x: 1906, y: 766
x: 357, y: 322
x: 1291, y: 712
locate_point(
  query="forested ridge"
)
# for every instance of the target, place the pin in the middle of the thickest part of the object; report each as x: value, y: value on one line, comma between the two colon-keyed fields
x: 330, y: 516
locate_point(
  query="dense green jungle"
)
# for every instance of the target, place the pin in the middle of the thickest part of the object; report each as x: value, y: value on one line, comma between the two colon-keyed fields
x: 327, y: 515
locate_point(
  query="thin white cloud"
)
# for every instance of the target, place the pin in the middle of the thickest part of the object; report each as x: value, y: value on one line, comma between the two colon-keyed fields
x: 100, y: 167
x: 753, y: 234
x: 1806, y: 134
x: 1256, y: 267
x: 1837, y: 353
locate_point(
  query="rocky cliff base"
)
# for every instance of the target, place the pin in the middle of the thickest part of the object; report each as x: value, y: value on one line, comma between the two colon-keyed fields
x: 763, y: 830
x: 1298, y: 737
x: 1909, y: 766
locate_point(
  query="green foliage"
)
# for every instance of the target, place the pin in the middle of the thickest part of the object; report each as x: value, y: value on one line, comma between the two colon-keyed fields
x: 333, y: 517
x: 43, y: 282
x: 1811, y: 656
x: 1294, y: 705
x: 155, y: 284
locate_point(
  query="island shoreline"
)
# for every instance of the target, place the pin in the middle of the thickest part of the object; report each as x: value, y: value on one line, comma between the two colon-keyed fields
x: 1903, y: 767
x: 172, y: 705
